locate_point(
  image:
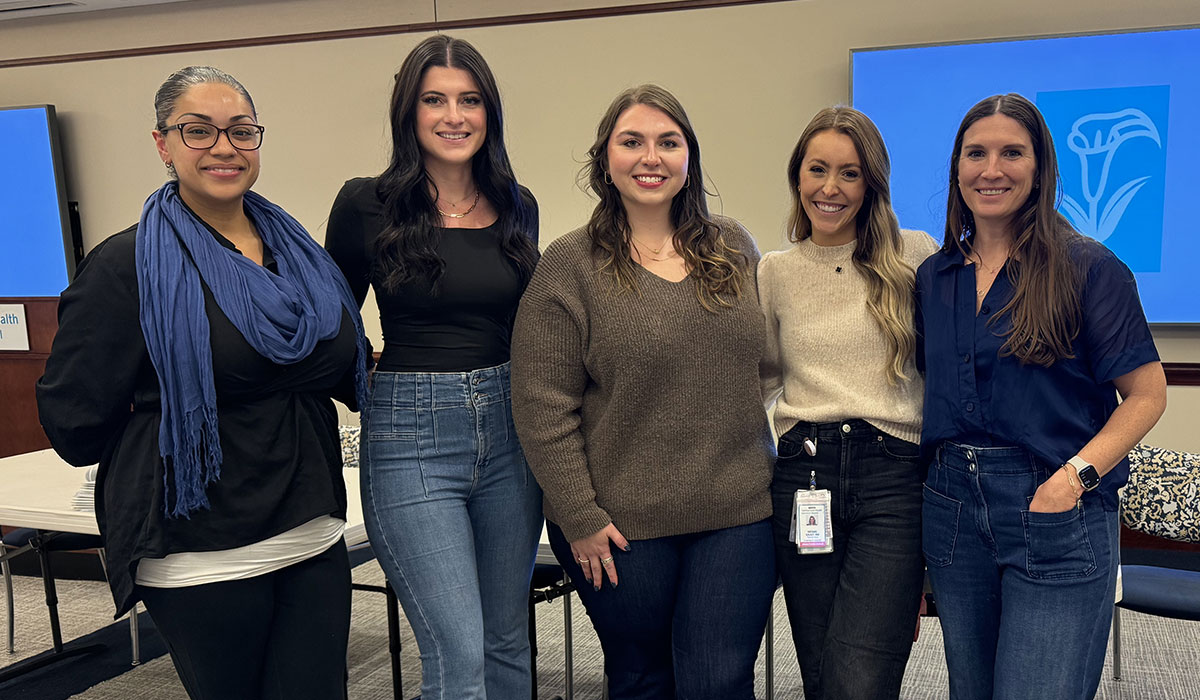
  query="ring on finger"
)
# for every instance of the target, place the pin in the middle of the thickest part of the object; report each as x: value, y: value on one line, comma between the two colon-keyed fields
x: 606, y: 560
x: 584, y: 561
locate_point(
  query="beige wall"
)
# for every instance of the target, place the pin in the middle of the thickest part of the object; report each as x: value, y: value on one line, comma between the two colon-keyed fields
x: 750, y: 77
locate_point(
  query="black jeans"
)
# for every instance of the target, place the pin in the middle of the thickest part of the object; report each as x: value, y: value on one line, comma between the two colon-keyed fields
x: 853, y: 611
x: 282, y: 635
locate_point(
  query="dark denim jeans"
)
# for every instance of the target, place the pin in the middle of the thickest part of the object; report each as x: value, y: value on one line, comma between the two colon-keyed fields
x: 1025, y: 599
x: 853, y: 611
x: 454, y: 516
x: 688, y: 617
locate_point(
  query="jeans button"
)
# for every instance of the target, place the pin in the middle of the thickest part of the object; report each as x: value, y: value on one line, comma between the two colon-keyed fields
x: 972, y: 467
x: 846, y: 428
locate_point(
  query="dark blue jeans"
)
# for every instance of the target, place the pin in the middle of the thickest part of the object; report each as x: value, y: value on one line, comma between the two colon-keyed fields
x: 854, y: 610
x: 1025, y: 599
x: 688, y: 616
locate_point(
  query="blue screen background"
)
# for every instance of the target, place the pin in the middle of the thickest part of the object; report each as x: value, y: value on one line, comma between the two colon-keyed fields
x: 32, y: 260
x: 918, y: 96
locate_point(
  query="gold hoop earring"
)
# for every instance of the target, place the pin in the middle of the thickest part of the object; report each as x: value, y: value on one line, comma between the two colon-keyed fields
x: 607, y: 178
x: 687, y: 180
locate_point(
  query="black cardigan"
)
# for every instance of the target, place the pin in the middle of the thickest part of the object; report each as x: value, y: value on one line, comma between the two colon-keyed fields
x: 99, y: 402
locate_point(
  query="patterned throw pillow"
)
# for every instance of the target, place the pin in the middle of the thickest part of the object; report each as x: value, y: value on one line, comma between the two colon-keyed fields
x: 1162, y: 497
x: 349, y: 435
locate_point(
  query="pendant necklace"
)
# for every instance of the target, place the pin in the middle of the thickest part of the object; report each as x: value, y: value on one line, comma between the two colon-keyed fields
x: 465, y: 213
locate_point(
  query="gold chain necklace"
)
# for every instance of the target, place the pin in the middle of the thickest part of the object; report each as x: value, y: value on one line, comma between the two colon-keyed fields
x: 656, y: 251
x: 994, y: 271
x: 465, y: 213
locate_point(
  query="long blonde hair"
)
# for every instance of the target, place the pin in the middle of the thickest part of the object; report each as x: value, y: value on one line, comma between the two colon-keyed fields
x: 879, y: 253
x: 719, y: 269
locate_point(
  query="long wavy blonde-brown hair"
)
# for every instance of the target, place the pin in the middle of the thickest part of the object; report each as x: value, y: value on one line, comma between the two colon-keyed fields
x: 879, y: 254
x: 719, y: 269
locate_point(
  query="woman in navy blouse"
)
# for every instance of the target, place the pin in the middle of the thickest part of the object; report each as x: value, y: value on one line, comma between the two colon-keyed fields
x: 1030, y: 330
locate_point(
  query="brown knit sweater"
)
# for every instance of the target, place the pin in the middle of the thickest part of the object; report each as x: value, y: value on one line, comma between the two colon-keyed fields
x: 640, y: 408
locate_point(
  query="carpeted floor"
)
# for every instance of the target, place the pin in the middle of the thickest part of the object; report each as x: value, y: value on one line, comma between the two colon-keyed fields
x: 1161, y: 658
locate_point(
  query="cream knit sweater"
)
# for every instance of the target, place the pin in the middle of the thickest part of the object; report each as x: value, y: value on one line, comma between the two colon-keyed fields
x: 824, y: 350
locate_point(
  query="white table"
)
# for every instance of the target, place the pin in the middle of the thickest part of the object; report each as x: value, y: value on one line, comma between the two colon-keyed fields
x: 36, y: 491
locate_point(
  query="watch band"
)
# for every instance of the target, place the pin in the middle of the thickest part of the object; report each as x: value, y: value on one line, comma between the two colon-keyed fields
x: 1089, y: 477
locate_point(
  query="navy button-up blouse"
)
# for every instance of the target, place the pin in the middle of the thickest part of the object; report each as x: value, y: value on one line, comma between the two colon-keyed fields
x: 975, y: 397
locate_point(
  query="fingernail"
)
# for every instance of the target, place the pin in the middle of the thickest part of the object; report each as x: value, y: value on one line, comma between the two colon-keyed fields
x: 627, y: 548
x: 614, y: 585
x: 596, y: 588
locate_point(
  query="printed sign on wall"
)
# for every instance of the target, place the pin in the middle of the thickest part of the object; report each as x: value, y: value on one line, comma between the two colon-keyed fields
x: 14, y: 332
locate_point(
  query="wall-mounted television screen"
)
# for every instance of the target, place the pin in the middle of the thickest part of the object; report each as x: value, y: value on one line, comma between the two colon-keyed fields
x: 37, y: 258
x: 1124, y: 111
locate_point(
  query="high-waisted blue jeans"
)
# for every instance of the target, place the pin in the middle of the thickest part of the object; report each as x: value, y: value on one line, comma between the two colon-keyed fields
x: 1025, y: 599
x: 454, y: 517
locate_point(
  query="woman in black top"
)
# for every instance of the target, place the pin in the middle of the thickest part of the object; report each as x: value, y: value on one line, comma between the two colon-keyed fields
x: 448, y: 239
x: 196, y: 357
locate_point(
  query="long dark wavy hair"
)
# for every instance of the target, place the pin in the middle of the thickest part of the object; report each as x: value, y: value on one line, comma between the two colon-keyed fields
x: 1045, y: 307
x: 718, y: 268
x: 404, y: 251
x: 879, y: 253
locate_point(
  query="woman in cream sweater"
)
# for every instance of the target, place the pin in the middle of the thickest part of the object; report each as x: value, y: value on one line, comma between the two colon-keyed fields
x: 840, y: 344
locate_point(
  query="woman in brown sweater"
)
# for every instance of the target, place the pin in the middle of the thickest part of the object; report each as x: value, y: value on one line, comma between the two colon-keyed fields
x: 635, y: 395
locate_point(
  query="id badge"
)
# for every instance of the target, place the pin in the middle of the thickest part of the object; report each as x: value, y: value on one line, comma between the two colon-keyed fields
x: 812, y: 529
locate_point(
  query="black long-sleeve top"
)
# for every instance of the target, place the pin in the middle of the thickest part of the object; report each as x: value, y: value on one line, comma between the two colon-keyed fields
x: 466, y: 323
x: 99, y: 402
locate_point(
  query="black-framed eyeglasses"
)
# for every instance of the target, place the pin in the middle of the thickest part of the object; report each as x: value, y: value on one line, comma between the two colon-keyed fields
x: 202, y: 135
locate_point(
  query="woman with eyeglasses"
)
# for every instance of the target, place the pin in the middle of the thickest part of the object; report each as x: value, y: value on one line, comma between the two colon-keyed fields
x: 448, y: 239
x: 196, y: 359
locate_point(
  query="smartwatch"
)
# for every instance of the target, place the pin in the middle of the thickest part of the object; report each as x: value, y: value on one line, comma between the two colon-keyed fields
x: 1089, y: 478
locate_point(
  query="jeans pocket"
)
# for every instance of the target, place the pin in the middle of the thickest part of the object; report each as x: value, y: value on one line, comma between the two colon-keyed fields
x: 898, y: 449
x: 1057, y: 545
x: 789, y: 449
x: 939, y: 527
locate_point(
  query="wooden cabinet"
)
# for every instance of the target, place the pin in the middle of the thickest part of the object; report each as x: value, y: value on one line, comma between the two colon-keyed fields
x: 20, y: 430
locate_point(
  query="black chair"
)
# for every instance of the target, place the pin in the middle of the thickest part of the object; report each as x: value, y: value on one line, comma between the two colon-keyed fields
x: 549, y: 582
x: 42, y: 543
x: 1159, y: 501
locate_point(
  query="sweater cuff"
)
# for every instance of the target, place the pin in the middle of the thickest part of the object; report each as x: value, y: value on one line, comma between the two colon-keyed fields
x: 582, y: 523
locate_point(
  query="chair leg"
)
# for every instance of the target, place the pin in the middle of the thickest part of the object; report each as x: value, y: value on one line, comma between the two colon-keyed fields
x: 568, y: 645
x: 134, y: 642
x: 51, y: 592
x: 12, y: 611
x: 1116, y: 643
x: 135, y: 645
x: 393, y: 624
x: 533, y: 650
x: 770, y: 650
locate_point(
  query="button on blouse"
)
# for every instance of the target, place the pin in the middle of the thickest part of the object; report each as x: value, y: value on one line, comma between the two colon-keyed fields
x: 974, y: 396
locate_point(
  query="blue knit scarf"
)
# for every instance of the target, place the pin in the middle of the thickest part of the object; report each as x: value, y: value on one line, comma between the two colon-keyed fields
x: 282, y: 317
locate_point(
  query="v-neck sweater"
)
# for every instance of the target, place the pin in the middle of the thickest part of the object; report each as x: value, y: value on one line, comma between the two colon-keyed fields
x: 640, y: 407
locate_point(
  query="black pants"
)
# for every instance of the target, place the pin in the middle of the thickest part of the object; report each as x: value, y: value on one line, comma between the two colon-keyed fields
x: 853, y: 611
x: 282, y: 635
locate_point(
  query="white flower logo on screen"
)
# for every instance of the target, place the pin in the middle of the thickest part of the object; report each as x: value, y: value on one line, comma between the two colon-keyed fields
x: 1095, y: 138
